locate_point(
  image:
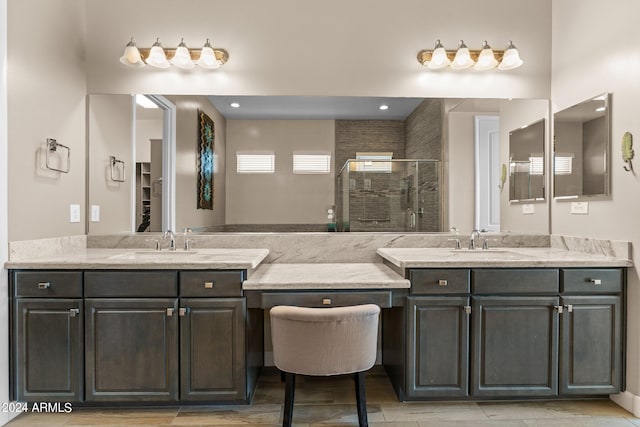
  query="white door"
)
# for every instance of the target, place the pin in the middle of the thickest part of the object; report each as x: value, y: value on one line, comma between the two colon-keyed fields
x: 487, y: 156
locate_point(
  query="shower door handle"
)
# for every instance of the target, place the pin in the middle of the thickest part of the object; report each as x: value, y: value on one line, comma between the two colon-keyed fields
x: 412, y: 220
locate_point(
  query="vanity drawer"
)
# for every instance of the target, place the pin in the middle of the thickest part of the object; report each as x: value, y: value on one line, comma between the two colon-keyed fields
x: 439, y: 281
x: 515, y: 281
x: 211, y: 283
x: 326, y: 299
x: 48, y: 284
x: 130, y: 284
x: 591, y: 280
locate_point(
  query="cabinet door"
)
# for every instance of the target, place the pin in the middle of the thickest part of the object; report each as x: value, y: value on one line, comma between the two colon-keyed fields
x: 212, y: 349
x: 591, y: 354
x: 437, y: 347
x: 48, y: 350
x: 131, y: 349
x: 515, y: 346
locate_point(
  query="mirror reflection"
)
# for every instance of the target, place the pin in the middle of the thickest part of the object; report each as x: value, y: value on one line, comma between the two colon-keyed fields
x: 277, y: 162
x: 581, y: 136
x: 526, y: 162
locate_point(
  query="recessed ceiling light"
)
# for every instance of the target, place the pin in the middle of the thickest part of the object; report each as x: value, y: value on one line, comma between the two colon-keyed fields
x: 384, y: 107
x: 145, y: 102
x: 600, y: 109
x: 235, y: 105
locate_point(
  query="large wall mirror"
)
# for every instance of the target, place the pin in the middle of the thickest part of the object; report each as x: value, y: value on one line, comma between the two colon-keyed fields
x: 425, y: 188
x: 527, y: 163
x: 581, y: 149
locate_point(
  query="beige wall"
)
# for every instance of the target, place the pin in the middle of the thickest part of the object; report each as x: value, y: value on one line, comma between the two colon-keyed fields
x: 461, y: 170
x: 46, y: 95
x: 186, y: 157
x: 109, y: 132
x: 146, y: 130
x: 349, y: 48
x: 580, y: 28
x: 513, y: 115
x: 281, y: 197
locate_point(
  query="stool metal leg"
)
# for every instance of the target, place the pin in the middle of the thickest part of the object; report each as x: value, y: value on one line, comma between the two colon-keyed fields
x: 289, y: 391
x: 361, y: 399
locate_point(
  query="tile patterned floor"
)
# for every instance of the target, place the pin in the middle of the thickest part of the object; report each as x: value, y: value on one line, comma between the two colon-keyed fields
x: 325, y: 402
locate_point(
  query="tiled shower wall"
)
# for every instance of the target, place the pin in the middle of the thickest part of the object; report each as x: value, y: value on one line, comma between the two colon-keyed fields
x: 387, y: 196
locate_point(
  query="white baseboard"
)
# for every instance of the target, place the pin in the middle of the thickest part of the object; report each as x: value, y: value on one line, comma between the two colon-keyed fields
x: 628, y: 401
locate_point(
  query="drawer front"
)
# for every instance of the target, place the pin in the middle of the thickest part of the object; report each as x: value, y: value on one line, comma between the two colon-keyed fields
x: 326, y: 299
x: 48, y: 284
x: 211, y: 283
x: 134, y: 284
x: 515, y: 281
x: 592, y: 280
x: 439, y: 281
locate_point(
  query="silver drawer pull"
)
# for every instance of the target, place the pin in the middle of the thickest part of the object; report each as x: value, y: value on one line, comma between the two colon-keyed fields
x: 44, y: 285
x: 182, y: 311
x: 326, y: 301
x: 559, y: 308
x: 208, y: 285
x: 73, y: 312
x: 569, y: 308
x: 442, y: 283
x: 596, y: 281
x: 170, y: 312
x: 467, y: 309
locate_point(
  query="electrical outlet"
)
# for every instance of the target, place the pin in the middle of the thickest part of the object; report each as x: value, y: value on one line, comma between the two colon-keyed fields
x: 74, y: 213
x: 95, y: 213
x: 580, y: 208
x: 528, y: 209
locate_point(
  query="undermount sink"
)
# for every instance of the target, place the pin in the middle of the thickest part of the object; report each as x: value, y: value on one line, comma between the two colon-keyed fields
x: 479, y: 251
x: 154, y: 254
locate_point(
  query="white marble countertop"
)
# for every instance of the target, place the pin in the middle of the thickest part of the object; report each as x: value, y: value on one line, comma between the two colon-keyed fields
x: 497, y: 257
x: 324, y: 276
x: 225, y: 259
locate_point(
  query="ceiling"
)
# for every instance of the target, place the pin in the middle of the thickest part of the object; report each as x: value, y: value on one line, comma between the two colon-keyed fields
x: 314, y: 107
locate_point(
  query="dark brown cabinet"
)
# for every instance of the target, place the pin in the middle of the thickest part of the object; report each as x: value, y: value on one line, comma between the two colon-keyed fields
x: 539, y: 332
x: 438, y: 349
x: 212, y: 349
x: 515, y: 350
x: 143, y: 336
x: 46, y: 339
x: 131, y: 350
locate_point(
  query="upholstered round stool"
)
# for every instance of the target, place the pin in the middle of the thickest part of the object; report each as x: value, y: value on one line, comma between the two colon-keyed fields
x: 324, y: 341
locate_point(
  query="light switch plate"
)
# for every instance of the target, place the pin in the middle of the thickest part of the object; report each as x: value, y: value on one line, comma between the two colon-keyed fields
x: 528, y: 209
x: 580, y: 208
x: 74, y: 213
x: 95, y: 213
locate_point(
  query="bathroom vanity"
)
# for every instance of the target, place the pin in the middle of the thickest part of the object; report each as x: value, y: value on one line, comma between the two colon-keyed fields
x: 512, y: 324
x: 128, y: 326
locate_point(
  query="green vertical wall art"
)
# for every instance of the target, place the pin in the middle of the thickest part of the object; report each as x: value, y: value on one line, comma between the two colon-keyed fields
x: 205, y: 162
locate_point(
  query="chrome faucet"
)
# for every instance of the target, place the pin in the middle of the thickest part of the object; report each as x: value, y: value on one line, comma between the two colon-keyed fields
x: 475, y: 234
x: 172, y: 239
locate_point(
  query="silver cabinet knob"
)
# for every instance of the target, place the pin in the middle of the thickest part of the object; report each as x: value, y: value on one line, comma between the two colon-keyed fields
x: 44, y: 285
x: 596, y: 281
x: 208, y: 285
x: 442, y: 283
x: 73, y: 312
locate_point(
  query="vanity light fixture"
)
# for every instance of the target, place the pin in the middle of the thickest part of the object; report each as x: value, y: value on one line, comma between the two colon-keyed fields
x: 487, y: 59
x: 157, y: 58
x: 439, y: 58
x: 463, y: 58
x: 511, y: 58
x: 182, y: 57
x: 131, y: 55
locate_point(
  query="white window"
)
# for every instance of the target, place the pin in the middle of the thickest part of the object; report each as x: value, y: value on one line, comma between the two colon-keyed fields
x: 311, y: 163
x: 255, y: 162
x: 563, y: 164
x: 373, y: 162
x: 536, y: 164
